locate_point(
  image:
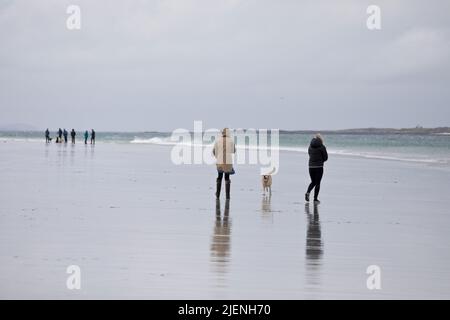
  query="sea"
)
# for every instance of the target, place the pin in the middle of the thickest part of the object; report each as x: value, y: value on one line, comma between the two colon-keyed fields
x: 433, y: 149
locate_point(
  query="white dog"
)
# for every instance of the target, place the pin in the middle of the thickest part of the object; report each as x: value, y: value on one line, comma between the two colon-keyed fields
x: 267, y: 181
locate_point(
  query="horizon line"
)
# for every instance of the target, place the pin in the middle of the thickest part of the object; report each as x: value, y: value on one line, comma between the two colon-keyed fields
x: 417, y: 128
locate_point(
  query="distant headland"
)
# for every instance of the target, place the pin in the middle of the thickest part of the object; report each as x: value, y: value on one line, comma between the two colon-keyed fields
x: 415, y: 130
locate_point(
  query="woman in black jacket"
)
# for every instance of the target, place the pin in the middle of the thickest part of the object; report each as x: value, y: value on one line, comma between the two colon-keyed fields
x: 317, y: 156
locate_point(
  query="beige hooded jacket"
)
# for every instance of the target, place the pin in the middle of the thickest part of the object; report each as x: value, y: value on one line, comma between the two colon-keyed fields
x: 224, y: 149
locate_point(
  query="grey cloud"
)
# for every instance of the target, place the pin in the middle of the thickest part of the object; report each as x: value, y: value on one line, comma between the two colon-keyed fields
x: 159, y: 65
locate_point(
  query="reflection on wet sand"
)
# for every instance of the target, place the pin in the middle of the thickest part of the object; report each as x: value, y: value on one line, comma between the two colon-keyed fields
x: 220, y: 244
x: 46, y: 150
x: 87, y: 148
x: 266, y: 208
x: 72, y: 155
x: 314, y: 248
x: 62, y: 154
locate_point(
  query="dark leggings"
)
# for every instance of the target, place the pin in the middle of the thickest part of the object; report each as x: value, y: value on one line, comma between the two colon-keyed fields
x: 220, y: 176
x: 316, y: 176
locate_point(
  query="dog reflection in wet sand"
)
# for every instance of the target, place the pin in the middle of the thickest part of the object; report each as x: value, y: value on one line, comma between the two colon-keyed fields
x: 220, y: 246
x: 266, y: 208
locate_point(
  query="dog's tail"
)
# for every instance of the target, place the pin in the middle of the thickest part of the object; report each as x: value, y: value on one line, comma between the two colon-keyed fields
x: 274, y: 169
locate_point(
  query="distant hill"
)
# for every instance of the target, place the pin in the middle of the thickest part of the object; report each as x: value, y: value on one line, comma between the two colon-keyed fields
x: 416, y: 130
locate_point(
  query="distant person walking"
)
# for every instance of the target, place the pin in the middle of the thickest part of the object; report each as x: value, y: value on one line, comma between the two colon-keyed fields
x: 223, y: 151
x: 86, y: 136
x: 317, y: 156
x: 72, y: 135
x: 47, y: 136
x: 60, y: 134
x: 92, y: 136
x: 65, y: 134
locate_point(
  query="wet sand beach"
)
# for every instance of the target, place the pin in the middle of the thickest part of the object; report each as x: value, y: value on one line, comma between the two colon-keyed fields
x: 141, y: 227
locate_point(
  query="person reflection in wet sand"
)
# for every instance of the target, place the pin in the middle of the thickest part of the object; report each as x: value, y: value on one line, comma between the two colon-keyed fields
x: 220, y: 244
x: 314, y: 247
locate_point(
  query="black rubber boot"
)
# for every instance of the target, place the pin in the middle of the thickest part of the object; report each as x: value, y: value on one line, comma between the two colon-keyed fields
x: 306, y: 197
x: 218, y: 187
x: 227, y: 188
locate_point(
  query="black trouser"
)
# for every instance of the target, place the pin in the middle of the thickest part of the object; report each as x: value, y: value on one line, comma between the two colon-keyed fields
x: 316, y: 176
x: 220, y: 176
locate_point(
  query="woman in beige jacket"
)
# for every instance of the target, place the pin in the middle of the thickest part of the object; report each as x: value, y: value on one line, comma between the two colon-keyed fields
x: 224, y: 149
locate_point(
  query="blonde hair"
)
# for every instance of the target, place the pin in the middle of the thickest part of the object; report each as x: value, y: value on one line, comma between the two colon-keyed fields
x: 318, y: 136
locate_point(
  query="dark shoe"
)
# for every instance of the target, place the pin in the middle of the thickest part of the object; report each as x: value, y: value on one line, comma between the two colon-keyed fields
x: 316, y: 201
x: 307, y: 197
x: 218, y: 187
x: 227, y: 188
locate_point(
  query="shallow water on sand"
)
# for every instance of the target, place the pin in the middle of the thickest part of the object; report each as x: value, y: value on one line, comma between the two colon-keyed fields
x: 140, y: 227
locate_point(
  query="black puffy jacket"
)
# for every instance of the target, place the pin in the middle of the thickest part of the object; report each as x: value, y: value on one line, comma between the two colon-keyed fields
x: 317, y: 153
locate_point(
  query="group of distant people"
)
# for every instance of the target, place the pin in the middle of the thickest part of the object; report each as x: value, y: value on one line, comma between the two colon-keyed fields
x: 62, y: 136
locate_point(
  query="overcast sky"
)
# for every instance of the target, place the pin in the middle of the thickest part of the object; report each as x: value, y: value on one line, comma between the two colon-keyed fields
x: 161, y: 64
